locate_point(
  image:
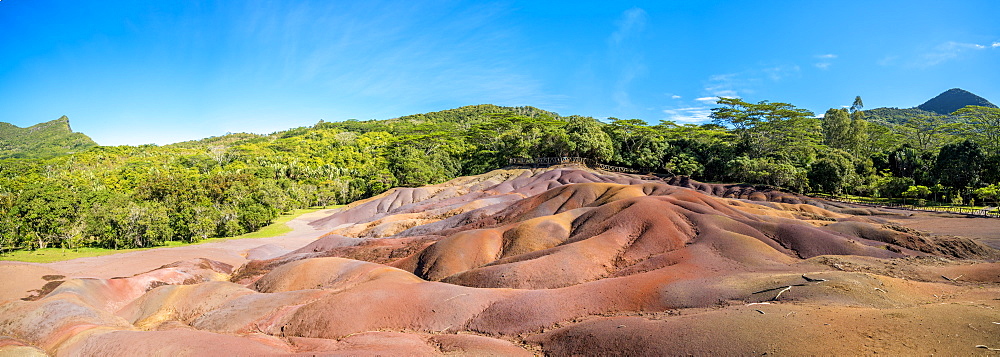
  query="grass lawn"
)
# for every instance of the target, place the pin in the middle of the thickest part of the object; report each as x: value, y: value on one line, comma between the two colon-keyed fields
x: 48, y: 255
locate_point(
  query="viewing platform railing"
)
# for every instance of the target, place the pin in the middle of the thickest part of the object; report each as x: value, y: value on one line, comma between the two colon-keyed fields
x: 991, y: 212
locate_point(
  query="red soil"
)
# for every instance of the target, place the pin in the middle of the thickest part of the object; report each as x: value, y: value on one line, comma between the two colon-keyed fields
x: 556, y: 261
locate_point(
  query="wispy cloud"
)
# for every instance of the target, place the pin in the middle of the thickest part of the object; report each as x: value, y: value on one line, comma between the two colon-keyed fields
x: 405, y: 54
x: 689, y: 115
x: 735, y: 84
x: 626, y: 53
x: 723, y: 85
x: 778, y: 73
x: 632, y: 22
x: 946, y: 52
x: 826, y: 60
x: 696, y: 113
x: 729, y: 85
x: 887, y: 60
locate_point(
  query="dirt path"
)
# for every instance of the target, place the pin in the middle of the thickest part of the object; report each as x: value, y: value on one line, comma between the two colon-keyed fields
x: 984, y: 230
x: 17, y: 279
x: 233, y: 252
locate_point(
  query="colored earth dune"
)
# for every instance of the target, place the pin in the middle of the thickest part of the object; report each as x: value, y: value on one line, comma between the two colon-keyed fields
x: 557, y: 261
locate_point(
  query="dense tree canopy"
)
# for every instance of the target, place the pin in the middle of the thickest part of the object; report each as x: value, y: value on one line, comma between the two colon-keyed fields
x: 982, y: 125
x: 769, y: 128
x: 137, y: 196
x: 959, y: 165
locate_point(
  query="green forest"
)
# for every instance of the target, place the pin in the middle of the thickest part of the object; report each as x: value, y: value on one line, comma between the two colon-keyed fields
x: 140, y: 196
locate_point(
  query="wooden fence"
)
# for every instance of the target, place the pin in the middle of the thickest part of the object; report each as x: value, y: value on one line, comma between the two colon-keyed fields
x: 982, y: 212
x: 548, y: 160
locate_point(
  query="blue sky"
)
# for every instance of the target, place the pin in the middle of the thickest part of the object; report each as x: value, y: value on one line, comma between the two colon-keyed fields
x: 163, y: 71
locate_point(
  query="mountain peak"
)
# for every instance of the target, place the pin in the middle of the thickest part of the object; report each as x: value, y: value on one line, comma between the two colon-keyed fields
x: 952, y: 100
x: 42, y: 140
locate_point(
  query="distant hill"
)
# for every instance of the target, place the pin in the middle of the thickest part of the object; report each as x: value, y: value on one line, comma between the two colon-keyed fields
x: 460, y: 117
x: 450, y: 119
x: 476, y: 113
x: 942, y: 105
x: 952, y: 100
x: 890, y: 116
x: 227, y: 140
x: 42, y: 140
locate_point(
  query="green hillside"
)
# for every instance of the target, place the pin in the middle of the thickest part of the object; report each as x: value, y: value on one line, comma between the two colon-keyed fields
x: 140, y: 196
x: 887, y: 116
x: 44, y: 140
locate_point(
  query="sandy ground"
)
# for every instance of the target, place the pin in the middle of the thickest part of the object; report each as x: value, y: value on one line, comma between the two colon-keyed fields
x: 20, y: 278
x: 953, y: 327
x: 984, y: 230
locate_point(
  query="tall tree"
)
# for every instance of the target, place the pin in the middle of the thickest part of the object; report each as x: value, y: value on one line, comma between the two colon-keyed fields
x: 832, y: 171
x: 770, y: 128
x: 837, y: 129
x: 703, y: 150
x: 857, y: 105
x: 586, y: 139
x: 637, y: 144
x: 927, y: 132
x: 906, y: 161
x: 765, y: 170
x: 982, y: 124
x: 958, y: 165
x: 859, y: 130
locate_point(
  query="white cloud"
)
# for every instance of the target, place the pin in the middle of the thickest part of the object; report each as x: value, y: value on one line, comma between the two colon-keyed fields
x: 723, y: 85
x: 947, y: 51
x: 826, y: 61
x: 722, y: 77
x: 735, y: 85
x: 958, y: 45
x: 689, y: 115
x: 726, y: 85
x: 780, y: 72
x: 675, y: 97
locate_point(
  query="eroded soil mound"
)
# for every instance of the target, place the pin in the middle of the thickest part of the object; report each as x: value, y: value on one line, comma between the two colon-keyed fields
x: 557, y: 261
